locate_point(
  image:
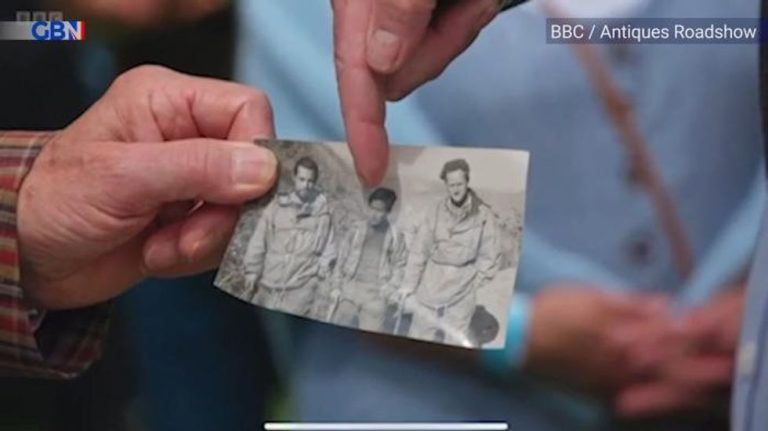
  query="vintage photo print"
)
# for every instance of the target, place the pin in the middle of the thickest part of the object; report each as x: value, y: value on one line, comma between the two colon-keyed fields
x: 430, y: 254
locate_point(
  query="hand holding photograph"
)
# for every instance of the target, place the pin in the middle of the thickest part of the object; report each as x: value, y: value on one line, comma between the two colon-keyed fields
x: 431, y: 254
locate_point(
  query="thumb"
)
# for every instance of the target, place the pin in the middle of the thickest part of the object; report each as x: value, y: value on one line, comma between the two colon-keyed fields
x: 395, y: 30
x: 218, y: 172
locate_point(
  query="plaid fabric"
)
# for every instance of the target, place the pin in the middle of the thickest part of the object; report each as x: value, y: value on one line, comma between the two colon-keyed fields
x: 34, y: 343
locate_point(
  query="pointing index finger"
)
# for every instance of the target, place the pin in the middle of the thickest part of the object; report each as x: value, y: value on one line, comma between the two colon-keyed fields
x: 361, y: 90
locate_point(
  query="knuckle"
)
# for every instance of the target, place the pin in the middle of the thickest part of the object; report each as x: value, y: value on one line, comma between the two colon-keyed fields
x: 400, y: 87
x: 138, y: 76
x: 258, y: 100
x: 487, y: 13
x: 407, y: 8
x: 339, y: 61
x: 204, y: 162
x: 396, y: 94
x: 258, y: 97
x: 147, y: 71
x: 435, y: 73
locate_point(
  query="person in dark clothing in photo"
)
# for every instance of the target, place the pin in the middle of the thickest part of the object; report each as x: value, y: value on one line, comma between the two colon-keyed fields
x: 370, y: 266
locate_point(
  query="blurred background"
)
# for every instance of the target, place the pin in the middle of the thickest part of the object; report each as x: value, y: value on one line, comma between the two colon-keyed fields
x: 643, y: 206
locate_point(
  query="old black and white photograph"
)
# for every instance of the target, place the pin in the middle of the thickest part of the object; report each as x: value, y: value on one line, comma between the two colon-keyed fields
x: 430, y: 254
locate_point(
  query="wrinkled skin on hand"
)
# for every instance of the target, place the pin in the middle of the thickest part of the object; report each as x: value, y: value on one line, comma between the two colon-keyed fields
x: 148, y: 182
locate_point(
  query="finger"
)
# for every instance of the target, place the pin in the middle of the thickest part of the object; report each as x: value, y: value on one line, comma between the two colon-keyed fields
x: 702, y: 330
x: 654, y: 399
x: 151, y: 103
x: 641, y: 336
x: 701, y: 370
x: 683, y: 385
x: 451, y: 34
x: 396, y: 28
x: 362, y: 98
x: 150, y: 175
x: 640, y: 308
x: 715, y: 327
x: 649, y: 357
x: 192, y: 245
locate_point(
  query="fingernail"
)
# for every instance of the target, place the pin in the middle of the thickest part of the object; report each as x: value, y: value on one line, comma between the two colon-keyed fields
x: 254, y: 167
x: 383, y: 50
x: 162, y: 256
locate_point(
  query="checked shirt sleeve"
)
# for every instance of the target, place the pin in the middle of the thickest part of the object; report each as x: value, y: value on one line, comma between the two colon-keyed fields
x: 35, y: 343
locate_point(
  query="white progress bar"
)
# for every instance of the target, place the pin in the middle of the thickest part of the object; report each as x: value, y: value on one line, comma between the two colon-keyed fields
x: 386, y: 426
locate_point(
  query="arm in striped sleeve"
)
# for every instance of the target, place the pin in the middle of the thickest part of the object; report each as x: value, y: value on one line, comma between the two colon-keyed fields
x: 36, y: 343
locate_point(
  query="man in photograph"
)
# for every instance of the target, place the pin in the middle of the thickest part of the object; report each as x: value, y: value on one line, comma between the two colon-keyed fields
x: 455, y: 252
x: 292, y: 247
x: 370, y: 266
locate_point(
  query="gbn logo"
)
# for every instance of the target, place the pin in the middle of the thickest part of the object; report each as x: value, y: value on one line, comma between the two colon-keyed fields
x: 58, y: 30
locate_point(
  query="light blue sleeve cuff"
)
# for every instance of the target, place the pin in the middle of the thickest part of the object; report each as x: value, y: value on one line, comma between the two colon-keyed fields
x: 730, y: 254
x: 499, y: 361
x: 541, y: 263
